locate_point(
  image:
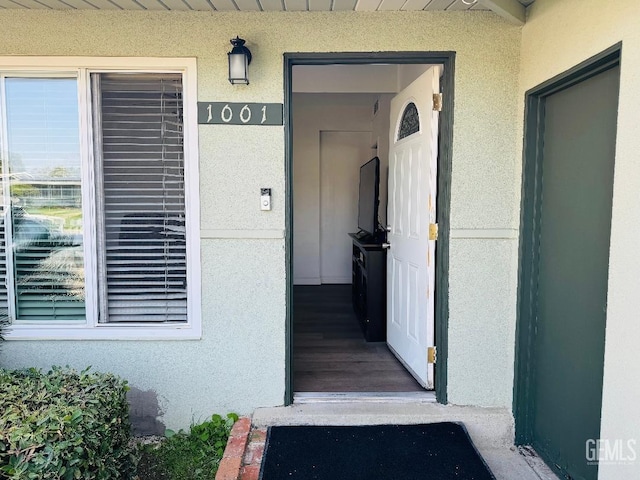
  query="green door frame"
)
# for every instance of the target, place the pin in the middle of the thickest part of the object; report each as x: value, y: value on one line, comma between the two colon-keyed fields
x: 447, y: 59
x: 530, y: 229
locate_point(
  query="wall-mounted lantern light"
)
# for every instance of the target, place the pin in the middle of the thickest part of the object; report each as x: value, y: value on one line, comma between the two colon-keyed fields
x: 239, y: 60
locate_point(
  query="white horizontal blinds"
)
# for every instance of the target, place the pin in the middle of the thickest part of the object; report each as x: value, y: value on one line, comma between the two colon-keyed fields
x: 142, y: 197
x: 4, y: 202
x: 4, y: 305
x: 43, y: 144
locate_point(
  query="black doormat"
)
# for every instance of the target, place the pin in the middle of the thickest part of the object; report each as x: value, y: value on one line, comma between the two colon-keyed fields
x: 438, y: 451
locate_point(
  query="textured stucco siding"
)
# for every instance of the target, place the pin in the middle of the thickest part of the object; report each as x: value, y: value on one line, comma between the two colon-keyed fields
x: 557, y: 36
x: 478, y: 274
x: 240, y: 362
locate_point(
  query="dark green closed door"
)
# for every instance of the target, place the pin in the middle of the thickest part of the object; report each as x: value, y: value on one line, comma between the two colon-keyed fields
x: 579, y: 133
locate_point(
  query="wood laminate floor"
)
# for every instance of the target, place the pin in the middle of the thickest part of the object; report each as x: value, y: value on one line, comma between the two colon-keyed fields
x: 329, y: 350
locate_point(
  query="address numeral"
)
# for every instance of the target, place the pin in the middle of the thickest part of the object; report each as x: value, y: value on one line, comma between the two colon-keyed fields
x: 245, y: 114
x: 227, y: 114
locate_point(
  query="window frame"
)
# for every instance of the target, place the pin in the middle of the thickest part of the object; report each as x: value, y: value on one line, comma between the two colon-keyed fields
x: 81, y: 68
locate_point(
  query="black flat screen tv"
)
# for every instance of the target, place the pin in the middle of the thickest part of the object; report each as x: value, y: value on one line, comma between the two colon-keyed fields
x: 368, y: 197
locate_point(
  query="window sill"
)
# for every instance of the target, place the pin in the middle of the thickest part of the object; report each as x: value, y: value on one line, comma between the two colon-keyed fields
x: 103, y: 332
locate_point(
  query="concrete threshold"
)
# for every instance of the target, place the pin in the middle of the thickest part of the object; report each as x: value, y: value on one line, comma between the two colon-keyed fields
x: 491, y: 429
x: 355, y: 397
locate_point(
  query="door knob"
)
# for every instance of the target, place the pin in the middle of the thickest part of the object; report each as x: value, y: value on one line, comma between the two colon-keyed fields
x: 388, y: 228
x: 386, y: 245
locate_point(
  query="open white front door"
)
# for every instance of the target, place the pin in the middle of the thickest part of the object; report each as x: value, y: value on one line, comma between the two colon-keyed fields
x: 413, y: 150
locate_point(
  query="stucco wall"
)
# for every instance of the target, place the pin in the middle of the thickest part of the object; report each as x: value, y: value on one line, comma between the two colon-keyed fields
x: 240, y: 362
x: 557, y: 36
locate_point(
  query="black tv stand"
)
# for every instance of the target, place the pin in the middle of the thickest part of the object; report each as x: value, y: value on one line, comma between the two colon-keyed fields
x: 369, y: 286
x: 368, y: 238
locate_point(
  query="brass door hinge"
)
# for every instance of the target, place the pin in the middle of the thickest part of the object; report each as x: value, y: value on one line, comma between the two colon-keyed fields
x: 433, y: 231
x: 432, y: 355
x: 437, y: 102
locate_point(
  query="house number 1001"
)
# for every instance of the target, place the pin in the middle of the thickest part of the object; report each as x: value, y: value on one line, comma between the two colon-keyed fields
x: 227, y: 114
x: 240, y: 113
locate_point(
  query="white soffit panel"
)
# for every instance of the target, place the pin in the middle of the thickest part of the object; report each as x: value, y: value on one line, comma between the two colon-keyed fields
x: 344, y: 5
x: 272, y: 5
x: 319, y: 5
x: 151, y: 4
x: 295, y: 5
x: 367, y: 5
x: 439, y: 4
x: 391, y: 5
x: 176, y: 5
x: 248, y: 5
x: 33, y: 5
x: 55, y: 4
x: 199, y: 5
x: 128, y: 5
x: 512, y: 10
x: 80, y: 4
x: 415, y: 5
x: 105, y: 5
x: 458, y: 5
x: 224, y: 5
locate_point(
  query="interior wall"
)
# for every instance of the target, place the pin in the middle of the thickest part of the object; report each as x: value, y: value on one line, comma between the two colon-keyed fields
x: 313, y: 114
x: 556, y: 37
x: 345, y: 78
x: 408, y: 73
x: 341, y: 155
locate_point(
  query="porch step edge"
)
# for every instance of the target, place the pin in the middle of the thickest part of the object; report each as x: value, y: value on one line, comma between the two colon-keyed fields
x: 488, y: 427
x: 231, y: 463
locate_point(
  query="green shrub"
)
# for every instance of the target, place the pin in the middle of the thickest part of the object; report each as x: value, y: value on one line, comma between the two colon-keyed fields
x: 64, y: 425
x: 189, y: 456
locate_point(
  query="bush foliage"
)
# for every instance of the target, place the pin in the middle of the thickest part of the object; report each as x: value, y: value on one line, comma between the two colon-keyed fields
x: 190, y: 456
x: 64, y: 425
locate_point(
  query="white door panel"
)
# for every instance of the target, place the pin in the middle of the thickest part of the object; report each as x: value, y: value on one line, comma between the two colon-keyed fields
x: 411, y: 208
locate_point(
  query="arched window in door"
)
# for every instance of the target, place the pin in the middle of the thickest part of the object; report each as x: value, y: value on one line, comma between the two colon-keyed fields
x: 410, y: 122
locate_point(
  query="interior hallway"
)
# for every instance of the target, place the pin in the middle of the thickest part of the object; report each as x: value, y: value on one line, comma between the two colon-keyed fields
x: 330, y: 353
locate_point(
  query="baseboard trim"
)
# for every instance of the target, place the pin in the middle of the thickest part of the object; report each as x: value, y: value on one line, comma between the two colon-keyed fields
x: 334, y: 280
x: 307, y: 281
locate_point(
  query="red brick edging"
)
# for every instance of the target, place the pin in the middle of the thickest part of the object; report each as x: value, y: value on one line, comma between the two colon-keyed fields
x: 243, y: 453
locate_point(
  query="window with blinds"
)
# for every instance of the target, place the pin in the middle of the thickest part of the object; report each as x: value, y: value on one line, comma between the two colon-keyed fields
x: 141, y: 192
x: 127, y: 264
x: 43, y: 153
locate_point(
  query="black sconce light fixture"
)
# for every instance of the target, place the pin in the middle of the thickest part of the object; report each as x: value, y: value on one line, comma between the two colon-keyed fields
x: 239, y: 60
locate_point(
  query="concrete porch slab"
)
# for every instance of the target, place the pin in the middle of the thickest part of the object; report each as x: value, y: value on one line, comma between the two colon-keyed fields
x: 491, y: 429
